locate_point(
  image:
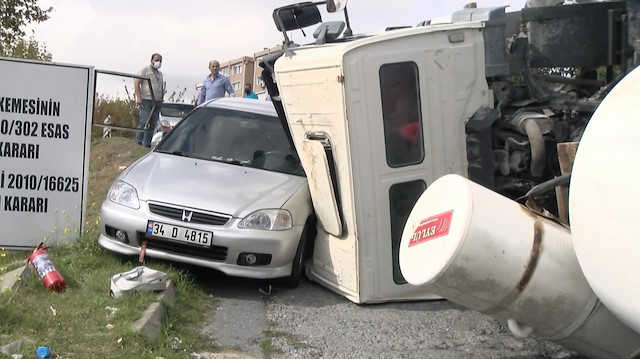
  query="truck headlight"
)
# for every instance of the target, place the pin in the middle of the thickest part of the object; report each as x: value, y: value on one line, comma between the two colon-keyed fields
x: 123, y: 194
x: 268, y: 220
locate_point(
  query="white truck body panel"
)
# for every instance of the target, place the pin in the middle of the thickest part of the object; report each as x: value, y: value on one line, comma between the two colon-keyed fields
x: 359, y: 260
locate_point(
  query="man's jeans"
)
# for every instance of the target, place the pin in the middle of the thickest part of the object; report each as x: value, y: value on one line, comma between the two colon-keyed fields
x: 144, y: 137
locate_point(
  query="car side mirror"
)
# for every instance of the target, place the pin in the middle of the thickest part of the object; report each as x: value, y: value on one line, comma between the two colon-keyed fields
x: 157, y: 137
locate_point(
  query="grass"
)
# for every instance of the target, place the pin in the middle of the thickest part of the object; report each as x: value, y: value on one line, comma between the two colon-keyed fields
x: 84, y: 321
x: 270, y: 348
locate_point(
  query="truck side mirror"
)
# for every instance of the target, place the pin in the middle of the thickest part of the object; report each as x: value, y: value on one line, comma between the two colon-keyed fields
x: 296, y: 16
x: 336, y: 5
x: 328, y: 32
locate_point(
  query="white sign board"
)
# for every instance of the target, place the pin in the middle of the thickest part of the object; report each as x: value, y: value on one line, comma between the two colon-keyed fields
x: 45, y: 132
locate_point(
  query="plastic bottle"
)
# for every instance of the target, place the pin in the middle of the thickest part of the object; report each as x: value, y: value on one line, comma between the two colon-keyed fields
x: 43, y: 352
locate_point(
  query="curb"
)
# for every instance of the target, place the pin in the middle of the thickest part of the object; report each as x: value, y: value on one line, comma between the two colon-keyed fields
x: 14, y: 279
x: 150, y: 322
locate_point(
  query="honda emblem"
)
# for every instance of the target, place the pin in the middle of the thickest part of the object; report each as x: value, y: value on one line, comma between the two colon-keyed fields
x: 186, y: 215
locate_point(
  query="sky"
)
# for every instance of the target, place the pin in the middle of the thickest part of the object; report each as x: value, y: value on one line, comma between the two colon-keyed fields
x: 121, y: 35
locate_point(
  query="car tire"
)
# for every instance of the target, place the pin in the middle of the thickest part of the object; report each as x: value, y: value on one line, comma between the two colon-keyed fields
x: 297, y: 269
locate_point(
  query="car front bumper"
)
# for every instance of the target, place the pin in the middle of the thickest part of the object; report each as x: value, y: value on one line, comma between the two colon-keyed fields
x: 227, y: 244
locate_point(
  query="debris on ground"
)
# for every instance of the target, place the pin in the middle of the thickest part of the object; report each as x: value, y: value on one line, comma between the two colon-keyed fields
x: 139, y: 279
x: 13, y: 347
x: 40, y: 260
x: 43, y: 352
x: 267, y: 291
x: 175, y: 344
x: 112, y: 310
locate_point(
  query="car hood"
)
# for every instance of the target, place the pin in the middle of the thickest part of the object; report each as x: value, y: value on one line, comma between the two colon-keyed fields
x: 210, y: 186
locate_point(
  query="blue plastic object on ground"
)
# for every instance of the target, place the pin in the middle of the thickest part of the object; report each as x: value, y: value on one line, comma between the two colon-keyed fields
x: 43, y: 352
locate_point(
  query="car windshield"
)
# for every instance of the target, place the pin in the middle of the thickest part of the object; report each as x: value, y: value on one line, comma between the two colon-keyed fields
x: 175, y: 109
x: 235, y: 137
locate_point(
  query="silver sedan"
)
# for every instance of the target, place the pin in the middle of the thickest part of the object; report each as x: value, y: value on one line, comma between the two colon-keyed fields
x: 224, y: 189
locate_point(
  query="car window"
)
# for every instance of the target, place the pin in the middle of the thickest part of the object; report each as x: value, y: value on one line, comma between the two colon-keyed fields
x: 236, y: 137
x: 175, y: 110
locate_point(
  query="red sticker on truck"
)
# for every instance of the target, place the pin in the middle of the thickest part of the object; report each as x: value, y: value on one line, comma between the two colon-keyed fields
x: 432, y: 228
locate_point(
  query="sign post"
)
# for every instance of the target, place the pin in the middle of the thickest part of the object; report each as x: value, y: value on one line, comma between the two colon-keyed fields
x: 45, y: 132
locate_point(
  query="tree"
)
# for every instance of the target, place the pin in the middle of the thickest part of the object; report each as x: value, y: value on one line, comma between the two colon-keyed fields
x: 14, y: 15
x: 29, y: 48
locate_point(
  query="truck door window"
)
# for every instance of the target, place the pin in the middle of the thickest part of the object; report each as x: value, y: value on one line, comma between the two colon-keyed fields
x: 401, y: 114
x: 402, y: 198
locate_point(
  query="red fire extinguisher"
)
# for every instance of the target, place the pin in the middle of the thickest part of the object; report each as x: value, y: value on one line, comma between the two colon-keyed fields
x: 42, y: 263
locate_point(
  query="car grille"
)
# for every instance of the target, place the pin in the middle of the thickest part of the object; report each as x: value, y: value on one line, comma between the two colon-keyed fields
x: 217, y: 253
x: 197, y: 217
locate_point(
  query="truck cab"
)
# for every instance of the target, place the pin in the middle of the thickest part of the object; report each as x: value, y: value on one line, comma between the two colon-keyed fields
x: 376, y: 118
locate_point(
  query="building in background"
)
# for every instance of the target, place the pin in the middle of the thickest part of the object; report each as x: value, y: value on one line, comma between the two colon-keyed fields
x: 246, y: 70
x: 239, y: 71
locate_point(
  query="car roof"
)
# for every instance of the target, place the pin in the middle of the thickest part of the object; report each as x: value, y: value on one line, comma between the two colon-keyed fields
x: 243, y: 104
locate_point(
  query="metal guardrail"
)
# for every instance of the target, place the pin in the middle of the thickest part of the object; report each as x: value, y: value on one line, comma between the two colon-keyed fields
x: 123, y: 74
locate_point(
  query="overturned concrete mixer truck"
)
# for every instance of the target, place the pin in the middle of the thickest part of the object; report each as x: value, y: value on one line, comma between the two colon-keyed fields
x: 439, y: 157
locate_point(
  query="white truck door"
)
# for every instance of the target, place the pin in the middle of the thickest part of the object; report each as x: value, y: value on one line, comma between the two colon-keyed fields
x: 408, y: 99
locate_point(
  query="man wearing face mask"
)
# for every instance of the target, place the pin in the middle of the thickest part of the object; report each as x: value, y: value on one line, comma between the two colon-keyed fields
x: 248, y: 93
x: 145, y: 100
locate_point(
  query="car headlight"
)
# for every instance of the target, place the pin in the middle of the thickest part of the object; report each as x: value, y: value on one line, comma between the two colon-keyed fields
x: 268, y: 219
x: 124, y: 194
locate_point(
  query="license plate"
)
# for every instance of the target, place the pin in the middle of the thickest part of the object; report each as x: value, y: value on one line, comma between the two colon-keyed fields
x: 177, y: 233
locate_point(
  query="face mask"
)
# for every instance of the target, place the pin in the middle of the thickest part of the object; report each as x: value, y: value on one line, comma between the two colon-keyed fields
x: 157, y: 64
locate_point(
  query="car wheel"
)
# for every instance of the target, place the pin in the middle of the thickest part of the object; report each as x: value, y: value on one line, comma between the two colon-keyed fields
x: 297, y: 269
